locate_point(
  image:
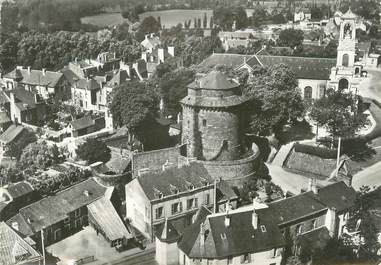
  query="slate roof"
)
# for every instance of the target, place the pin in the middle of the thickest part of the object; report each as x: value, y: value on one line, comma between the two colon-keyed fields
x: 337, y: 195
x: 24, y: 99
x: 55, y: 208
x: 36, y: 77
x: 104, y: 214
x: 82, y: 123
x: 214, y: 80
x: 70, y: 76
x: 89, y: 84
x: 166, y: 232
x: 238, y: 238
x: 19, y: 189
x: 294, y: 208
x: 4, y: 98
x: 303, y: 67
x: 11, y: 133
x: 24, y: 229
x: 179, y: 178
x: 12, y: 246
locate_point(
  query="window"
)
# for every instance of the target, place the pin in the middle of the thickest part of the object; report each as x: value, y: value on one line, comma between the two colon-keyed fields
x: 204, y: 122
x: 263, y: 229
x: 299, y: 229
x: 192, y: 203
x: 176, y: 208
x: 207, y: 199
x: 314, y: 223
x: 159, y: 212
x: 230, y: 260
x: 77, y: 212
x: 78, y: 223
x: 308, y: 93
x: 245, y: 258
x: 57, y: 235
x: 67, y: 220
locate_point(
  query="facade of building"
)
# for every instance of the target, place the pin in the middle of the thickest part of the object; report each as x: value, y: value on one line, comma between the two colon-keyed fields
x: 45, y: 83
x: 234, y: 237
x: 235, y: 39
x: 174, y: 194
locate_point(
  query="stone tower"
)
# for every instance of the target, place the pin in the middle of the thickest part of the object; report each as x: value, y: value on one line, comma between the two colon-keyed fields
x: 346, y: 51
x: 212, y: 119
x: 347, y: 72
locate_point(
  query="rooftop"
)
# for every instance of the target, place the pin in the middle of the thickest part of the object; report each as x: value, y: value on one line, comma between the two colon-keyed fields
x: 55, y: 208
x: 82, y: 123
x: 214, y: 80
x: 14, y: 249
x: 237, y: 238
x: 36, y: 77
x: 11, y: 133
x: 19, y: 189
x: 174, y: 180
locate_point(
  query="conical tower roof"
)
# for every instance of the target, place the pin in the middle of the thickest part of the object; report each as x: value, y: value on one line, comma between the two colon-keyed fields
x: 167, y: 232
x: 214, y: 80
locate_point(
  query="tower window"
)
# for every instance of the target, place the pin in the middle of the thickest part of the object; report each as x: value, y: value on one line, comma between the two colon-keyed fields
x: 204, y: 122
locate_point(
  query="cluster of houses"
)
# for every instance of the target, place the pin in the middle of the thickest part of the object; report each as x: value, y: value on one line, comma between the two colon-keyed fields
x: 183, y: 198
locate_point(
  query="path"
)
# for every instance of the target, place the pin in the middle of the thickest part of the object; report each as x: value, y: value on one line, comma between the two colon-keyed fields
x: 281, y: 156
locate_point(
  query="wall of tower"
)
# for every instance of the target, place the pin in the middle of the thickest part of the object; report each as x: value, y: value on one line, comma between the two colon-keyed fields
x: 213, y: 134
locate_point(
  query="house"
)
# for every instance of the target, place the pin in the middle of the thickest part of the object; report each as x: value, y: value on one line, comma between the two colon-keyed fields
x: 16, y: 196
x: 250, y: 236
x: 45, y: 83
x: 235, y: 39
x: 66, y: 212
x: 174, y: 194
x: 86, y: 125
x: 323, y: 211
x: 303, y: 14
x: 26, y: 107
x: 12, y: 135
x: 159, y: 55
x: 150, y: 42
x: 15, y: 250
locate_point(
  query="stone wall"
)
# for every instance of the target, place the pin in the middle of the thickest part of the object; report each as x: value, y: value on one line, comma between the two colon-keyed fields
x: 236, y: 172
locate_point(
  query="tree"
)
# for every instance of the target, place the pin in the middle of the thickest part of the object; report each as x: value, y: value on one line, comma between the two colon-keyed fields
x: 149, y: 25
x: 134, y: 104
x: 205, y: 21
x: 275, y: 99
x: 339, y: 113
x: 367, y: 227
x: 173, y: 88
x: 93, y: 151
x: 211, y: 22
x: 291, y: 38
x: 225, y: 16
x: 39, y: 155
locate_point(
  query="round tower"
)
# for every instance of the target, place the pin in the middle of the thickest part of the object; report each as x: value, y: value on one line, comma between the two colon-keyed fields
x: 212, y: 119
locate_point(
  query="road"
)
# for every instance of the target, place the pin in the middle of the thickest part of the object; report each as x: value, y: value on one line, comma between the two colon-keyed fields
x: 145, y: 258
x: 370, y: 88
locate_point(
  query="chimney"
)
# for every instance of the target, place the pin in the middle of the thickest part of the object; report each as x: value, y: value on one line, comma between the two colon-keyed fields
x: 171, y: 50
x: 29, y: 70
x: 330, y: 221
x: 202, y: 235
x: 146, y: 36
x: 43, y: 71
x: 15, y: 226
x: 76, y: 60
x: 86, y: 193
x: 160, y: 55
x: 178, y: 118
x: 227, y: 217
x: 152, y: 35
x: 144, y: 56
x: 254, y: 220
x: 312, y: 186
x: 36, y: 100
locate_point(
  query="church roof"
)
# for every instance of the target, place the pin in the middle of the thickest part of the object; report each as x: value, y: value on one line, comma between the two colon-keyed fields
x: 214, y: 80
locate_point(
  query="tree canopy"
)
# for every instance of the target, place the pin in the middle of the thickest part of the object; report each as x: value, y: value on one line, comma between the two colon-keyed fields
x: 93, y: 151
x: 291, y: 38
x: 149, y: 25
x: 226, y: 16
x: 339, y: 113
x: 134, y: 104
x: 275, y: 99
x: 39, y: 155
x: 15, y: 148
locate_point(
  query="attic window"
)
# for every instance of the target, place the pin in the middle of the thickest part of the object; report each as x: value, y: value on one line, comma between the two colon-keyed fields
x: 174, y: 189
x: 263, y: 229
x: 190, y: 186
x: 158, y: 193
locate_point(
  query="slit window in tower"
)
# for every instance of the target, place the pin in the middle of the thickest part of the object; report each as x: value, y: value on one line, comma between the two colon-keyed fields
x: 204, y: 122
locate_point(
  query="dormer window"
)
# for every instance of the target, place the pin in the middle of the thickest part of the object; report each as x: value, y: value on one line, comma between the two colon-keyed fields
x: 174, y: 189
x: 190, y: 186
x: 158, y: 194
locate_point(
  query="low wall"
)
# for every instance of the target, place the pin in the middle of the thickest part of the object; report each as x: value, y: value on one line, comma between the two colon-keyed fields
x: 236, y: 172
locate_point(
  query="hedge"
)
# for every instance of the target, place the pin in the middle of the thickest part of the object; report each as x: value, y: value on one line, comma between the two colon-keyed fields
x: 315, y: 151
